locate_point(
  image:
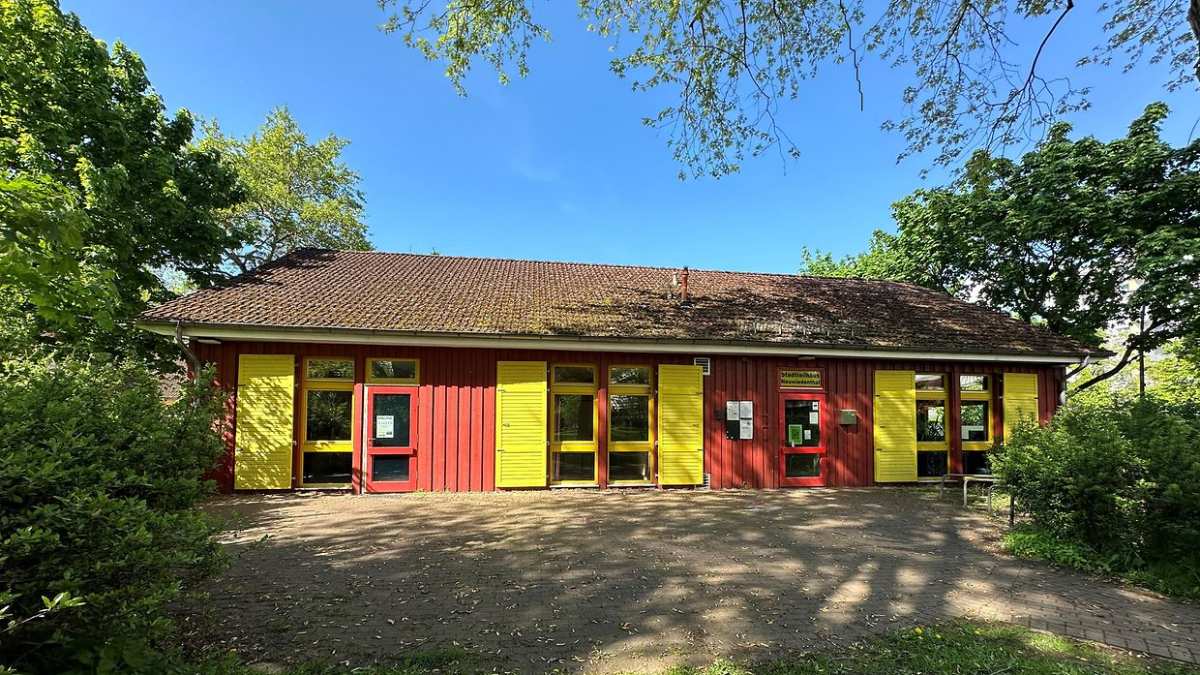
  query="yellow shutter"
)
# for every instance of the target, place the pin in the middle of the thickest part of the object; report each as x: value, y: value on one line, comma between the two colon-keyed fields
x: 521, y: 424
x: 1020, y: 399
x: 262, y: 457
x: 895, y: 422
x: 680, y: 425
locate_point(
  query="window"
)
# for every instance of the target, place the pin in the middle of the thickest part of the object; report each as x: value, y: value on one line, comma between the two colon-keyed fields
x: 329, y: 369
x: 802, y: 422
x: 629, y: 375
x: 931, y: 382
x: 973, y: 383
x: 802, y: 465
x: 574, y: 375
x: 327, y: 415
x: 629, y: 467
x: 975, y: 420
x: 977, y: 462
x: 394, y: 371
x: 391, y: 468
x: 573, y: 417
x: 931, y: 421
x: 629, y: 418
x: 326, y: 421
x: 629, y: 413
x: 326, y: 468
x: 573, y: 424
x: 391, y: 422
x: 933, y: 445
x: 931, y: 464
x: 574, y: 467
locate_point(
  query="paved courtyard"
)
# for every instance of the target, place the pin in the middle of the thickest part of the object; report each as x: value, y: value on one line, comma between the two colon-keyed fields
x: 639, y: 579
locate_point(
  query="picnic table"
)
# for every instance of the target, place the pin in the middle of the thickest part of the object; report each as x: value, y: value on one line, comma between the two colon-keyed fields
x: 967, y: 479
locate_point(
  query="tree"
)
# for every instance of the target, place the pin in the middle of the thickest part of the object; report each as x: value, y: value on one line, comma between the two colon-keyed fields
x: 1078, y: 235
x: 101, y: 481
x: 730, y: 66
x: 887, y: 257
x: 98, y: 185
x: 298, y: 193
x: 1175, y: 376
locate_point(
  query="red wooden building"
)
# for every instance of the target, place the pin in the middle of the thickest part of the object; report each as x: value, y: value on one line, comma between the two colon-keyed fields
x: 393, y: 372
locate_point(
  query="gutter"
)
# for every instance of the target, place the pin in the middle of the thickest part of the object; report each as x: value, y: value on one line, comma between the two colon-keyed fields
x: 575, y: 343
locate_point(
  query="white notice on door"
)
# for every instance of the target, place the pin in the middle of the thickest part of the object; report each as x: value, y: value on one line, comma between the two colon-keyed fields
x: 746, y: 411
x: 731, y: 410
x: 746, y: 429
x: 385, y: 426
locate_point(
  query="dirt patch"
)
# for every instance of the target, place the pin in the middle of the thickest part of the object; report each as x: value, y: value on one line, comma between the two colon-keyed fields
x: 636, y: 579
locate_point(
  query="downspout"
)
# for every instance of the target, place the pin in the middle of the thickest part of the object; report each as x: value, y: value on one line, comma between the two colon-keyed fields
x: 187, y: 351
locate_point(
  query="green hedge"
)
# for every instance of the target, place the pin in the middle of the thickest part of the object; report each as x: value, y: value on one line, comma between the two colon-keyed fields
x: 98, y: 531
x: 1111, y: 485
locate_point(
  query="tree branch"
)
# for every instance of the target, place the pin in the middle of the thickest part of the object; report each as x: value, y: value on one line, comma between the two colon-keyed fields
x: 1194, y: 21
x: 1126, y: 358
x: 854, y: 53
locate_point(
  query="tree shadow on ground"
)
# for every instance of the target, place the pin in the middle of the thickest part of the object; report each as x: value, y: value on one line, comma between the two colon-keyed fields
x: 622, y: 580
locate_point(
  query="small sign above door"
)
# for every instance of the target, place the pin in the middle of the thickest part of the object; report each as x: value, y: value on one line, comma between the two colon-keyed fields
x: 799, y: 379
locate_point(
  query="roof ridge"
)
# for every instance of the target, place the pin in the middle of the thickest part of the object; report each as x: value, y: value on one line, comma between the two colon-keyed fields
x: 610, y: 265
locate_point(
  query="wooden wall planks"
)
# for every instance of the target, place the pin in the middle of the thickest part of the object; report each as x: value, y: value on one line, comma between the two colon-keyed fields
x: 456, y: 408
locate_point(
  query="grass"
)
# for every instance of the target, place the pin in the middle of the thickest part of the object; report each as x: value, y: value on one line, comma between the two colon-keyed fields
x: 959, y: 647
x: 1178, y: 578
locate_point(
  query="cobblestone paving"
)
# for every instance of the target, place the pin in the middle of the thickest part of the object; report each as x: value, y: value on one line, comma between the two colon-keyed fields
x: 639, y: 579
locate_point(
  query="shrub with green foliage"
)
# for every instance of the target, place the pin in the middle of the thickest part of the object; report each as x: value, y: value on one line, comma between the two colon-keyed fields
x: 98, y: 483
x: 1111, y: 485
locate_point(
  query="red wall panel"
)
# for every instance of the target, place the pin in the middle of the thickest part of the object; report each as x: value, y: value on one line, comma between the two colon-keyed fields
x: 456, y: 408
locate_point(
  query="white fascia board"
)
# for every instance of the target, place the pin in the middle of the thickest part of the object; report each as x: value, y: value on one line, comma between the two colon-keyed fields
x: 338, y: 336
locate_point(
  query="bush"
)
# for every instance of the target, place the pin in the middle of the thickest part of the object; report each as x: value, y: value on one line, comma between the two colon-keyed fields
x: 98, y: 483
x: 1112, y: 480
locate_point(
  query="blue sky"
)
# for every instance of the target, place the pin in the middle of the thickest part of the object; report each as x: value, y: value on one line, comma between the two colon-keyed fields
x: 557, y: 165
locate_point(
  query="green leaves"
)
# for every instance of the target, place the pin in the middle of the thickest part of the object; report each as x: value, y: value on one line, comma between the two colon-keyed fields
x: 1112, y: 485
x: 99, y: 186
x: 730, y: 69
x: 1077, y: 234
x: 99, y: 480
x: 296, y: 193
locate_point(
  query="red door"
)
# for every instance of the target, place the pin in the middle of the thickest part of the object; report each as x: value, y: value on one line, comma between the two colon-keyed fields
x: 390, y: 459
x: 802, y: 439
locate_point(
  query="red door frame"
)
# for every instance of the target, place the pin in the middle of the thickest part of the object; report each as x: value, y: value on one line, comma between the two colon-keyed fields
x: 371, y: 451
x: 819, y: 449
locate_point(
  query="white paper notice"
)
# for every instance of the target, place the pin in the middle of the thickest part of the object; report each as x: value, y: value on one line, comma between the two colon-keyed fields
x: 746, y: 430
x: 731, y: 410
x: 746, y: 411
x: 385, y: 426
x: 813, y: 417
x: 808, y: 434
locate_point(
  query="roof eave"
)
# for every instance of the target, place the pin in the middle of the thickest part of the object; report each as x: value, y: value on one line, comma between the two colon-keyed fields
x: 243, y: 332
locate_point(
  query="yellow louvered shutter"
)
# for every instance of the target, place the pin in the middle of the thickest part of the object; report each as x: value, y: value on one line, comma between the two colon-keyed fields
x: 680, y: 425
x: 262, y: 458
x: 521, y: 424
x: 1020, y: 399
x: 895, y: 422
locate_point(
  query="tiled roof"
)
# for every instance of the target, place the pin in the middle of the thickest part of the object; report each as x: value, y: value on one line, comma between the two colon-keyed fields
x: 431, y: 294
